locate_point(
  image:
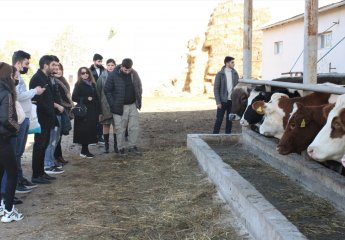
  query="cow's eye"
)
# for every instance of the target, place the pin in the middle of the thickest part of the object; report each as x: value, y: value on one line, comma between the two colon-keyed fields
x: 336, y: 125
x: 292, y: 125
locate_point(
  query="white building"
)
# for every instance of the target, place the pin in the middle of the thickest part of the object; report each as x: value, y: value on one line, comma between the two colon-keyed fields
x: 283, y: 43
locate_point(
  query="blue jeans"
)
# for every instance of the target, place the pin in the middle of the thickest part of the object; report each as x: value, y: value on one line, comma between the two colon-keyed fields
x: 49, y: 158
x: 226, y: 107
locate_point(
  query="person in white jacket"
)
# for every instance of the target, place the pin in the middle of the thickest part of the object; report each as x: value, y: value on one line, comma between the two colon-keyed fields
x: 21, y: 61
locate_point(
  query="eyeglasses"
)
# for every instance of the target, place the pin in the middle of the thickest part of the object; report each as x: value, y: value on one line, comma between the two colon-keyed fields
x: 83, y: 73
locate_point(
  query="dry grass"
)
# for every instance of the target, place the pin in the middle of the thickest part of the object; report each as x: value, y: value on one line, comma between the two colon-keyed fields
x: 161, y: 195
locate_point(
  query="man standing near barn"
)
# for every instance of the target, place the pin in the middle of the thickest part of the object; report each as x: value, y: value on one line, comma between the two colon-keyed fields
x: 225, y: 81
x: 123, y: 91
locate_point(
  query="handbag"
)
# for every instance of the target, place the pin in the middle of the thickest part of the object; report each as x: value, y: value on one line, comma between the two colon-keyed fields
x: 20, y: 113
x: 79, y: 110
x: 66, y: 125
x: 34, y: 126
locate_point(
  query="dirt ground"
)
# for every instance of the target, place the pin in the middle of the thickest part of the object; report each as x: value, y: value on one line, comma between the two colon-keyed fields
x: 160, y: 195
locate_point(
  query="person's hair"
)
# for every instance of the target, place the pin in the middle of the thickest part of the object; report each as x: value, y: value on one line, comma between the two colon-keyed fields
x: 56, y: 59
x: 62, y: 78
x: 97, y: 57
x: 228, y: 59
x: 127, y: 63
x: 110, y: 60
x: 19, y: 56
x: 46, y: 59
x: 7, y: 72
x: 90, y: 75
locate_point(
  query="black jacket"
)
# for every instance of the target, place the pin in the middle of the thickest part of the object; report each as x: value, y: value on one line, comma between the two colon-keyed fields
x: 114, y: 90
x: 45, y: 101
x: 8, y: 116
x: 94, y: 72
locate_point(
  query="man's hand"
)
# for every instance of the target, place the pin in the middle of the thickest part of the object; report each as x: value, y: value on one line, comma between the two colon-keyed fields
x: 219, y: 106
x: 39, y: 90
x: 59, y: 107
x: 100, y: 117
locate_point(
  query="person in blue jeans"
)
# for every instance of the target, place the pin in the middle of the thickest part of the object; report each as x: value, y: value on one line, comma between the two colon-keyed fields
x: 50, y: 166
x: 224, y: 83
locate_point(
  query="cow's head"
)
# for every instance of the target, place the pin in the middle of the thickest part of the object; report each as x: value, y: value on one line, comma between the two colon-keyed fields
x: 302, y: 127
x: 239, y: 98
x: 250, y: 116
x: 272, y: 125
x: 329, y: 144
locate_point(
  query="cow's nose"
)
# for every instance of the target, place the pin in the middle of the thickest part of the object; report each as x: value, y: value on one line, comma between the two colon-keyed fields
x: 310, y: 152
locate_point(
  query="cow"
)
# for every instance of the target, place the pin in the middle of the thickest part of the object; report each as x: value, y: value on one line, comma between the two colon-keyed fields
x: 277, y: 110
x: 239, y: 98
x: 303, y: 125
x: 329, y: 144
x: 250, y: 116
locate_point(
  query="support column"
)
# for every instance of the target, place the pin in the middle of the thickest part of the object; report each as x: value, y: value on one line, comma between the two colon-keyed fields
x: 310, y: 41
x: 247, y: 39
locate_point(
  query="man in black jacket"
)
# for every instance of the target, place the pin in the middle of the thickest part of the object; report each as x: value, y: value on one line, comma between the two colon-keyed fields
x: 46, y: 118
x: 97, y: 69
x: 123, y: 91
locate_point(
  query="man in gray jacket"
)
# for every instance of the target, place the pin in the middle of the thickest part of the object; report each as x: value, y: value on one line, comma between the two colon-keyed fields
x: 123, y: 91
x: 225, y: 82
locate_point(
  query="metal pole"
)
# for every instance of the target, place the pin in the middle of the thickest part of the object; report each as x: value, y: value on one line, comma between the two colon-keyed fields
x: 310, y: 41
x: 247, y: 39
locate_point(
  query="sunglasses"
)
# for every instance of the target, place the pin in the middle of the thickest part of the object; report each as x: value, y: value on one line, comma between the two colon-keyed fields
x: 83, y: 73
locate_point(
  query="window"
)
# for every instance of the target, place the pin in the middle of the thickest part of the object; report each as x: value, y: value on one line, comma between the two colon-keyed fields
x: 324, y: 40
x: 278, y: 48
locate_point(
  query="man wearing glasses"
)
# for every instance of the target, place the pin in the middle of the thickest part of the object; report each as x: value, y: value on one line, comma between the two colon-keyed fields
x: 123, y: 91
x: 225, y: 81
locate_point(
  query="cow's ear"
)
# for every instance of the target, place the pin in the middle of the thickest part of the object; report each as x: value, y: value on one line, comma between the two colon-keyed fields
x: 259, y: 107
x: 326, y: 110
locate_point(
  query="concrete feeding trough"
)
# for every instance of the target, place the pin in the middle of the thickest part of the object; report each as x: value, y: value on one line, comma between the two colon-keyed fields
x: 258, y: 215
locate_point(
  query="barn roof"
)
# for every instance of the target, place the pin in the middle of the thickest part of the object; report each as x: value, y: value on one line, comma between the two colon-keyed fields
x: 300, y: 16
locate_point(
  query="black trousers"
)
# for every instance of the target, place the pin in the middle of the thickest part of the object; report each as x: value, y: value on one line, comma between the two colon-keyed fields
x: 226, y: 107
x: 40, y: 145
x: 8, y: 163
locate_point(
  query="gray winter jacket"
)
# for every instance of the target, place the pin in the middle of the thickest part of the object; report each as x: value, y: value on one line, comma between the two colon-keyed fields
x: 220, y: 86
x: 105, y: 109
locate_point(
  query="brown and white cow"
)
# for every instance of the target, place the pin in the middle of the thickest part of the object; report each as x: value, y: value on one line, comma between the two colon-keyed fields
x: 303, y: 125
x: 277, y: 111
x: 329, y: 144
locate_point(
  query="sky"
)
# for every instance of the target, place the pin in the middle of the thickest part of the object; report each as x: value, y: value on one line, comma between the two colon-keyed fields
x: 154, y: 33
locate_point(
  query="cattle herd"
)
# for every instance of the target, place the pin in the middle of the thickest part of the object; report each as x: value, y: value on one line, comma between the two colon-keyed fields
x: 314, y: 123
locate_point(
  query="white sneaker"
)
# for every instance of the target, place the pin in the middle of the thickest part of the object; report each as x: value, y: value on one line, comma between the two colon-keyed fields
x: 2, y: 208
x: 14, y: 215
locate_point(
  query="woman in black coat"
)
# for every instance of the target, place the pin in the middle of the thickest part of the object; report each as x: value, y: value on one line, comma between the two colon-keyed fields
x: 85, y: 131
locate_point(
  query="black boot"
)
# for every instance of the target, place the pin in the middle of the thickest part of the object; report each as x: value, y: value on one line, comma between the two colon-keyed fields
x: 116, y: 150
x: 106, y: 142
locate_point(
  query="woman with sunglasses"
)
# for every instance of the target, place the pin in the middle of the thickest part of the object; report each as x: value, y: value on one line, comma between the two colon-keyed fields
x: 8, y: 127
x: 84, y: 92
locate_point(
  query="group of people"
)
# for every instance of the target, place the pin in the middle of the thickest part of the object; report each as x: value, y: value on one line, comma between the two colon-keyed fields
x: 111, y: 96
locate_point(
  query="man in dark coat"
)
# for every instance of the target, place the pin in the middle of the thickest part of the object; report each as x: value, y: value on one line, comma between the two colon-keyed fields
x: 123, y: 91
x: 97, y: 69
x: 224, y: 83
x: 46, y: 118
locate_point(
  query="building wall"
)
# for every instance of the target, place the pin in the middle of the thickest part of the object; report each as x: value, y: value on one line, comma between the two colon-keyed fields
x: 292, y: 35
